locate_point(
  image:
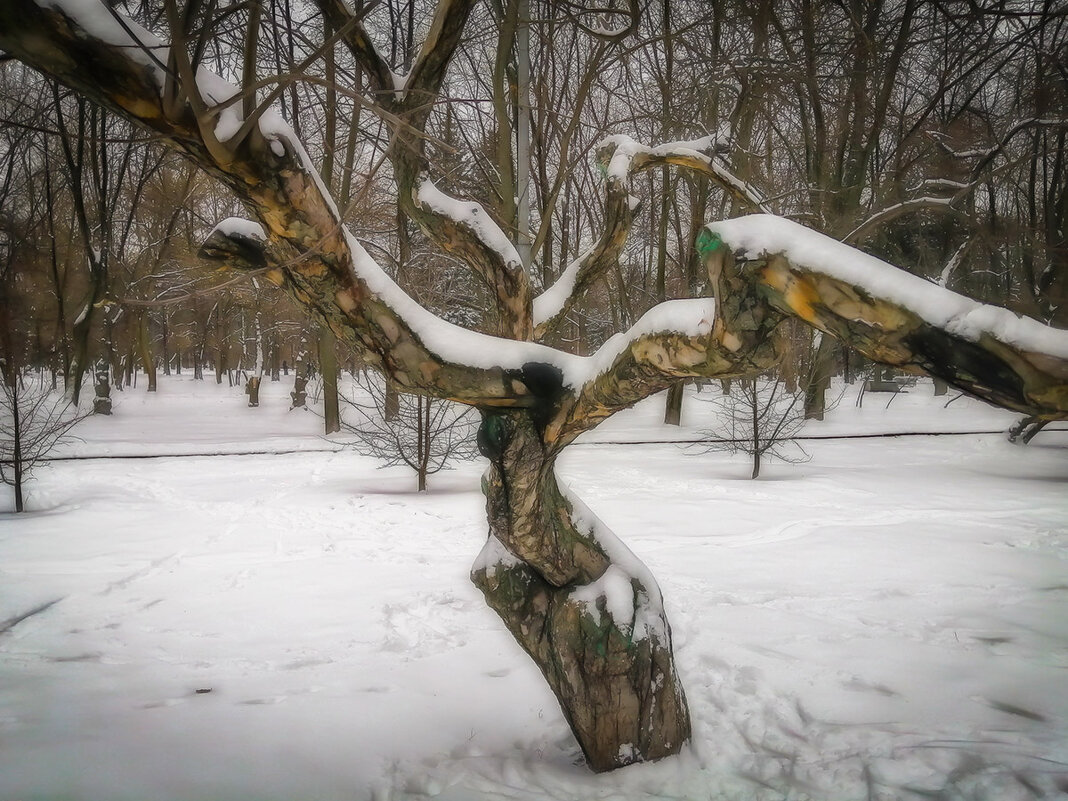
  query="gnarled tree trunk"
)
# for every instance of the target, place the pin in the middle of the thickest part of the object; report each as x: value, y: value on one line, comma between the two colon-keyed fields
x: 584, y: 608
x: 579, y: 603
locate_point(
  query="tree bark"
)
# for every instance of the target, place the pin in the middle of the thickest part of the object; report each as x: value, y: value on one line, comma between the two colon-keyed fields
x: 579, y: 603
x: 13, y: 393
x: 144, y: 351
x: 819, y: 380
x: 252, y: 389
x: 751, y: 391
x: 328, y: 370
x: 673, y: 405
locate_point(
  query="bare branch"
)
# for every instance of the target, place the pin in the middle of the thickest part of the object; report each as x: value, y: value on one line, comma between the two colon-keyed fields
x: 620, y: 157
x: 632, y: 13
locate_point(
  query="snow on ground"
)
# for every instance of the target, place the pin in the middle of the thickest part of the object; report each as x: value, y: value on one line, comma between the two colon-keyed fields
x: 887, y: 620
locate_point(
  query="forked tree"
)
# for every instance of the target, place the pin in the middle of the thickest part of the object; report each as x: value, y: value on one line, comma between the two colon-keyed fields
x: 581, y: 605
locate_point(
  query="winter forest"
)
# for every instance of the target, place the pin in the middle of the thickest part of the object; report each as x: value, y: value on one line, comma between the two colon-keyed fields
x: 727, y: 344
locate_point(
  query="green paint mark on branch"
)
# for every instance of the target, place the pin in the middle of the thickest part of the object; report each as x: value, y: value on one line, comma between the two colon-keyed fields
x: 492, y: 436
x: 708, y: 242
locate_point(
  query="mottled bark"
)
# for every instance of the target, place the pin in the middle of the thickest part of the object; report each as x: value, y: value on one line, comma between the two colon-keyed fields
x: 886, y: 332
x: 585, y: 609
x: 577, y: 601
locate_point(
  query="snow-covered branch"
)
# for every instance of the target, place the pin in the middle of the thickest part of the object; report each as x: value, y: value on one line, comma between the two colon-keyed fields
x: 325, y: 267
x: 621, y: 157
x: 985, y: 155
x: 462, y: 228
x: 465, y: 229
x: 697, y: 155
x: 237, y: 243
x: 674, y: 340
x: 897, y: 318
x: 883, y: 216
x: 955, y: 261
x: 599, y: 30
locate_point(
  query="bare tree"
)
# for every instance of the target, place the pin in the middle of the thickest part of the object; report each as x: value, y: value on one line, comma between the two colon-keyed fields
x: 582, y: 606
x: 33, y: 421
x: 424, y: 433
x: 758, y: 417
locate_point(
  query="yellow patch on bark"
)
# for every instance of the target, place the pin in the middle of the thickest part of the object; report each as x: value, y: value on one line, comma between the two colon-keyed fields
x: 389, y: 327
x: 845, y: 302
x: 731, y: 342
x: 138, y: 107
x: 650, y: 352
x: 276, y: 220
x: 801, y: 297
x: 345, y: 301
x: 688, y: 356
x: 798, y: 294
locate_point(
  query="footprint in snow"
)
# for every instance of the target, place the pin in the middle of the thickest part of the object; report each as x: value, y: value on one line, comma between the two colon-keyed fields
x: 269, y: 701
x: 857, y: 683
x: 1011, y: 709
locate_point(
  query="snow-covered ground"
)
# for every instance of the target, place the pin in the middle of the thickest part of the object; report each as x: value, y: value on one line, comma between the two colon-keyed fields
x: 888, y: 620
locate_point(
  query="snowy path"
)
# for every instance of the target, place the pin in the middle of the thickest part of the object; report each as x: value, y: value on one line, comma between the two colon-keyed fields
x: 890, y: 615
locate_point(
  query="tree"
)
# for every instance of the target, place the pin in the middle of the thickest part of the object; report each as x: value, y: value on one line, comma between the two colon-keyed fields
x: 582, y: 606
x: 759, y: 417
x: 33, y: 421
x: 421, y: 432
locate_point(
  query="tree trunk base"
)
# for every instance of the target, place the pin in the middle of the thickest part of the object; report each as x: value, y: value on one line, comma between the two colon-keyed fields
x: 615, y: 679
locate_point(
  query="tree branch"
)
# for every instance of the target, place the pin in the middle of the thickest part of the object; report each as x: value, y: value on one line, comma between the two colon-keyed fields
x: 620, y: 157
x: 326, y: 268
x: 465, y: 230
x: 673, y: 341
x: 897, y: 318
x: 359, y: 43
